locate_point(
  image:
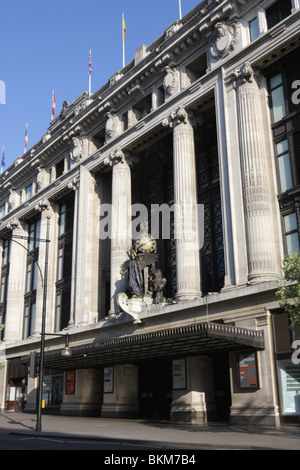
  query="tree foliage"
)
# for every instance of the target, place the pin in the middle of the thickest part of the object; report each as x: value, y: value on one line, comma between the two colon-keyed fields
x: 289, y: 288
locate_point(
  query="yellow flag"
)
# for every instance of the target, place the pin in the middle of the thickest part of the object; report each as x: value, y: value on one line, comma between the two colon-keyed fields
x: 124, y: 29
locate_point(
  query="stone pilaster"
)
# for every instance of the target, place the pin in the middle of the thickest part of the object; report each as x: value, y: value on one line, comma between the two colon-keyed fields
x: 257, y: 205
x: 16, y: 286
x: 122, y: 402
x: 121, y: 238
x: 185, y: 202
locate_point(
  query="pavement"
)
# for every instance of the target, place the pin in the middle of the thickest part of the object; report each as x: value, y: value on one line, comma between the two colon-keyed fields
x: 216, y: 436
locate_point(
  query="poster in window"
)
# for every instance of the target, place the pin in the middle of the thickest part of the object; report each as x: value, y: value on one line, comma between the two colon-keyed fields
x: 70, y: 382
x: 289, y: 387
x: 108, y: 377
x: 179, y: 374
x: 247, y: 370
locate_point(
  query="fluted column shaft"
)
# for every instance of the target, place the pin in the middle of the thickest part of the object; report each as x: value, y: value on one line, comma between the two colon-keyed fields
x: 185, y: 200
x: 257, y: 204
x: 121, y: 238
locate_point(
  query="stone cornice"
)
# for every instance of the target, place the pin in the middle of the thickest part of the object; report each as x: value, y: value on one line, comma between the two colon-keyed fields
x: 192, y: 33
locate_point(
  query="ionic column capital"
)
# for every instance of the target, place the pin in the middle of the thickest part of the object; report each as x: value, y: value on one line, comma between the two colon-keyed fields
x: 180, y: 116
x: 245, y: 75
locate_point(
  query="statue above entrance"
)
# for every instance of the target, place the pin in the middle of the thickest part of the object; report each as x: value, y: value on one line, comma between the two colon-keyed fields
x: 145, y: 280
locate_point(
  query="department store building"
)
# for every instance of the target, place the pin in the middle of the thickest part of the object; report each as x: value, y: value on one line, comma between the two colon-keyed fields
x: 149, y: 224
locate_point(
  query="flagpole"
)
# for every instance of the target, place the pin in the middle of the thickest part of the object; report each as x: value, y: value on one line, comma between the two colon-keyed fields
x: 180, y: 16
x: 123, y: 36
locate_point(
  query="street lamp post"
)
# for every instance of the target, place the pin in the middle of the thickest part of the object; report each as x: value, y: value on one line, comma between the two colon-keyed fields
x: 39, y: 410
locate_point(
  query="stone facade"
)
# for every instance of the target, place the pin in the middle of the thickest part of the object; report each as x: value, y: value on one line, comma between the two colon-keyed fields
x: 165, y: 326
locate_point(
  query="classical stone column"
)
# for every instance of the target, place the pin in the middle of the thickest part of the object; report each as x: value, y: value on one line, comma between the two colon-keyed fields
x: 185, y: 201
x: 257, y: 205
x: 121, y: 238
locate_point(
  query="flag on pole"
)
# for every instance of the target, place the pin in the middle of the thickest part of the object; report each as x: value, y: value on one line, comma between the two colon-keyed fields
x: 26, y: 138
x: 124, y: 27
x: 90, y: 72
x: 3, y: 160
x: 53, y: 105
x: 123, y: 37
x: 90, y: 62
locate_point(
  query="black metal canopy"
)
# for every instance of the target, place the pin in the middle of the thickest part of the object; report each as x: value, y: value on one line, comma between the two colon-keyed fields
x: 200, y: 338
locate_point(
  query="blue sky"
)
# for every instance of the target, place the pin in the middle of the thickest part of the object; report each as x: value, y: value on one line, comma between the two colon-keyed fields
x: 44, y: 45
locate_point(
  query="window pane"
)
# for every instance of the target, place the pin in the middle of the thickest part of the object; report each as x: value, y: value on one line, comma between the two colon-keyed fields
x: 28, y: 278
x: 62, y: 219
x: 254, y: 31
x: 58, y: 312
x: 26, y: 322
x: 275, y: 81
x: 285, y: 174
x: 60, y: 264
x: 32, y: 319
x: 37, y: 233
x: 278, y: 104
x: 31, y: 236
x: 34, y: 277
x: 290, y: 222
x: 282, y: 147
x: 292, y: 242
x: 2, y: 295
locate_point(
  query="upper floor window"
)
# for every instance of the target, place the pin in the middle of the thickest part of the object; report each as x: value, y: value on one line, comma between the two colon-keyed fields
x: 254, y: 29
x: 5, y: 252
x: 2, y: 211
x: 29, y: 191
x: 277, y: 12
x: 291, y: 232
x: 34, y: 234
x: 277, y: 95
x: 62, y: 219
x: 284, y: 165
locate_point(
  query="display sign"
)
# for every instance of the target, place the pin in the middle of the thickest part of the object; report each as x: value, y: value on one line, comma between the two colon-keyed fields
x: 179, y: 374
x: 247, y: 370
x: 70, y: 382
x: 108, y: 377
x: 289, y: 379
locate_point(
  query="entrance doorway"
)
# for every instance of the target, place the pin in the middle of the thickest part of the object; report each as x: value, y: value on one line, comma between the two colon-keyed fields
x: 222, y: 393
x: 155, y: 388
